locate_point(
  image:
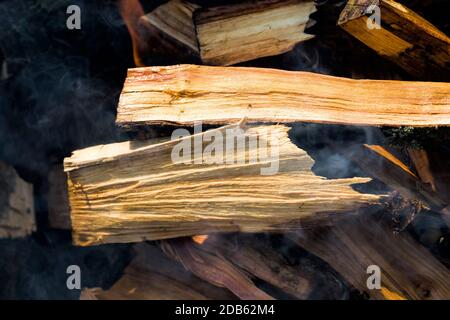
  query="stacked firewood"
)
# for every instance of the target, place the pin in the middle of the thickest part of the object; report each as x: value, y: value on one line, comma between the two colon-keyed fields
x: 207, y: 229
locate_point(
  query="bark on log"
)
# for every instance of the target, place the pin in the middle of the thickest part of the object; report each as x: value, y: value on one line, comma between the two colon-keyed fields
x: 408, y: 270
x: 184, y: 94
x: 152, y: 276
x: 16, y: 204
x: 403, y: 37
x: 133, y: 191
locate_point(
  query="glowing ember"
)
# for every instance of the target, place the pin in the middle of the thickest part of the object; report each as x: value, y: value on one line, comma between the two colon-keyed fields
x: 200, y: 239
x: 390, y: 295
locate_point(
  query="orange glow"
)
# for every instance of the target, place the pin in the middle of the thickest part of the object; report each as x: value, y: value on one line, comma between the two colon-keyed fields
x: 390, y: 295
x: 131, y: 11
x: 389, y: 156
x: 200, y: 239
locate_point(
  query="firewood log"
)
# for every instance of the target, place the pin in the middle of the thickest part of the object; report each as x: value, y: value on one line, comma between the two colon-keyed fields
x: 408, y: 270
x: 136, y: 190
x: 403, y: 37
x: 153, y: 276
x: 224, y: 35
x: 214, y: 269
x: 184, y: 94
x: 169, y: 32
x: 16, y: 204
x: 251, y: 29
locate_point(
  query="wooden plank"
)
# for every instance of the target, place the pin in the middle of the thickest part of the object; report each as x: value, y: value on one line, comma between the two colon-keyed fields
x: 135, y: 190
x: 404, y: 37
x: 184, y: 94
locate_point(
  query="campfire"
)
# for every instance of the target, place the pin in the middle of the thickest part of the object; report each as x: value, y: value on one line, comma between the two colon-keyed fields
x: 268, y: 149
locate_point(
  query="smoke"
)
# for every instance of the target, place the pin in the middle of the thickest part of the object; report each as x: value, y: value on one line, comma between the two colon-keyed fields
x: 58, y: 92
x: 61, y: 86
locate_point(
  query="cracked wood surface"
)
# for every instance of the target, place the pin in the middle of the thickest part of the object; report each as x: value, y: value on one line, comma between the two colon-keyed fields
x: 184, y: 94
x: 133, y: 191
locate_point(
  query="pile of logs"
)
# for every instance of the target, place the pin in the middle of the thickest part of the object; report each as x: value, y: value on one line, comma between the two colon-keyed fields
x: 211, y: 227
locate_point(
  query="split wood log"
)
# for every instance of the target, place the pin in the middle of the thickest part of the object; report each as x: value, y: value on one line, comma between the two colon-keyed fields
x: 212, y: 268
x: 408, y: 270
x: 184, y: 94
x: 224, y: 35
x: 16, y: 204
x: 170, y: 33
x: 134, y: 191
x: 153, y: 276
x: 402, y: 36
x: 251, y: 29
x: 58, y: 199
x: 260, y: 260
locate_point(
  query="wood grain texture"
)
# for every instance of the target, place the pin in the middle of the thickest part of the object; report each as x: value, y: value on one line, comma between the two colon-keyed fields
x: 259, y: 259
x: 404, y: 37
x: 134, y: 191
x: 184, y: 94
x: 174, y: 18
x: 153, y: 276
x: 213, y: 268
x: 408, y: 270
x: 251, y: 29
x: 16, y: 204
